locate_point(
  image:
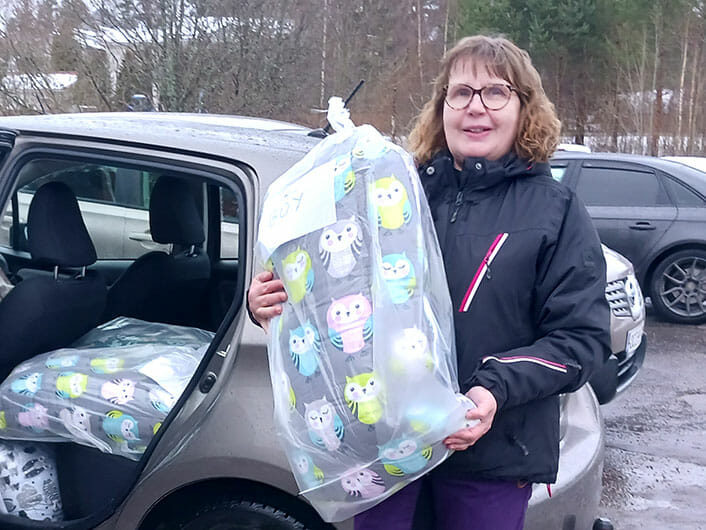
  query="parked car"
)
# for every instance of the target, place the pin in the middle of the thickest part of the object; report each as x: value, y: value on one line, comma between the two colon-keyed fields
x: 139, y: 103
x: 573, y: 147
x: 627, y: 324
x: 214, y: 460
x: 652, y: 211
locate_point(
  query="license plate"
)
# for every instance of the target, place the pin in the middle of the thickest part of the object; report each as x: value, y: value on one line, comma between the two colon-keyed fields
x: 634, y: 339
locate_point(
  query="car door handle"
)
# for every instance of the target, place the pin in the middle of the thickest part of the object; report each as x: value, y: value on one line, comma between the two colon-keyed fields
x: 141, y: 236
x: 643, y: 225
x: 145, y: 240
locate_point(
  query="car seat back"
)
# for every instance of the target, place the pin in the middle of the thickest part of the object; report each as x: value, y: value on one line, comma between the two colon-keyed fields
x: 51, y: 311
x: 167, y: 287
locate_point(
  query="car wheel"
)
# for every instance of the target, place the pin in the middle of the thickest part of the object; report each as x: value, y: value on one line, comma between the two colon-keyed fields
x: 233, y: 514
x: 678, y: 287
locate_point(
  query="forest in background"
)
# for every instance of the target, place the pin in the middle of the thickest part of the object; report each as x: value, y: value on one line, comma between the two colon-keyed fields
x: 625, y: 75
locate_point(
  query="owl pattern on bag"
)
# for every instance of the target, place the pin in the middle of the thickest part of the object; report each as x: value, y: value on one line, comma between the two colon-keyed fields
x: 349, y: 443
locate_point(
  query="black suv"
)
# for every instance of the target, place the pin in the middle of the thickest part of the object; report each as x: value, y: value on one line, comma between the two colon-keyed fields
x: 653, y: 211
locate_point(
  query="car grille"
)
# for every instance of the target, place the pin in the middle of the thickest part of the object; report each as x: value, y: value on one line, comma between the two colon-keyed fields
x: 618, y: 298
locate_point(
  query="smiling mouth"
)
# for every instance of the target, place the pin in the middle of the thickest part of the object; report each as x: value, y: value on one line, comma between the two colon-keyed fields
x: 476, y: 130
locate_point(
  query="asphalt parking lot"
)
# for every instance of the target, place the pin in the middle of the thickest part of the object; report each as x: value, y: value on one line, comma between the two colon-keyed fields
x: 655, y: 468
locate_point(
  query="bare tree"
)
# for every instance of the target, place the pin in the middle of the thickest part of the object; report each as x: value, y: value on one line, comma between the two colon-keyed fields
x: 27, y: 85
x: 680, y: 110
x: 420, y: 65
x: 324, y: 35
x: 656, y: 108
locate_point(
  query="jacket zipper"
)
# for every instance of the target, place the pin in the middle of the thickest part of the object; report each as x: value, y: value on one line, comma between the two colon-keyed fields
x: 483, y: 271
x: 457, y: 204
x: 487, y: 267
x: 515, y: 440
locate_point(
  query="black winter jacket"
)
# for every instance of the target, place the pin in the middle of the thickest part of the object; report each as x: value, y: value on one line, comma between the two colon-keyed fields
x: 527, y: 280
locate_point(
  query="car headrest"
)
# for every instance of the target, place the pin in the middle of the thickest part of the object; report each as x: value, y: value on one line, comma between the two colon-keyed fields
x: 174, y: 216
x: 56, y: 233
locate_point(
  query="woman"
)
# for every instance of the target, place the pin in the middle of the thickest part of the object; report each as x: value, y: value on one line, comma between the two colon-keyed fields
x: 526, y: 275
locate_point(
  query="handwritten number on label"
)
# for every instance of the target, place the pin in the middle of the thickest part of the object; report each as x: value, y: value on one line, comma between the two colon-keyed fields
x: 290, y: 204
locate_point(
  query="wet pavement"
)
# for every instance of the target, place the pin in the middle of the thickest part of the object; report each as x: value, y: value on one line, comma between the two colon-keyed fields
x: 655, y: 467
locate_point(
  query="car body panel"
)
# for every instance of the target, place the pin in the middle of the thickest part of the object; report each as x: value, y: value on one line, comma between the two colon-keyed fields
x: 633, y: 230
x: 229, y: 137
x: 577, y: 485
x: 237, y: 439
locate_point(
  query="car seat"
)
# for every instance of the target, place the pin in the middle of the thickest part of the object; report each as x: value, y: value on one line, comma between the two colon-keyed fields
x: 160, y: 286
x: 50, y: 311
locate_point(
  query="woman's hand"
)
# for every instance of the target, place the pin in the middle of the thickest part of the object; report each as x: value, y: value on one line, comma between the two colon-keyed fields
x: 265, y: 298
x: 485, y: 410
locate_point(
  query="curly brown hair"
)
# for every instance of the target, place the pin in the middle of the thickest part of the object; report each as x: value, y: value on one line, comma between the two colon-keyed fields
x: 538, y: 133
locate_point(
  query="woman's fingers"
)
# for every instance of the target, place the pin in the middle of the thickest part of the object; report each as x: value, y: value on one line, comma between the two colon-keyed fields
x: 484, y: 412
x: 273, y: 286
x: 263, y: 276
x: 265, y: 296
x: 465, y: 438
x: 267, y: 292
x: 266, y: 313
x: 268, y: 300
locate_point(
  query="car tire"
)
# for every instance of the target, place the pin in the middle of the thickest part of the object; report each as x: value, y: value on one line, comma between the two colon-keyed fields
x: 233, y: 514
x: 678, y: 287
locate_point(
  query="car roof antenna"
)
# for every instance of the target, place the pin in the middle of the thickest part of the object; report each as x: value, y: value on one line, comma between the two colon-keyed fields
x: 323, y: 133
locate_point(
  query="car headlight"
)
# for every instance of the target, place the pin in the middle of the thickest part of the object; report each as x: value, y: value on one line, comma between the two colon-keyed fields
x: 634, y: 296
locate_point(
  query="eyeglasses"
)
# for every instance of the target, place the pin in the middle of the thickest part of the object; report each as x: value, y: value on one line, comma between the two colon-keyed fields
x: 493, y: 97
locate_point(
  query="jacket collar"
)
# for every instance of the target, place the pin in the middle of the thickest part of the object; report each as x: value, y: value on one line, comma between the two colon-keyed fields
x: 480, y: 173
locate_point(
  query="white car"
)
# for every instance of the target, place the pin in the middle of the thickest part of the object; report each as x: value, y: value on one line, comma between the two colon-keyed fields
x: 697, y: 162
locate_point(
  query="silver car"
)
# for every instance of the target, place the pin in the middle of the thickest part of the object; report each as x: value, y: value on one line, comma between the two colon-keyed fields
x: 216, y: 461
x: 627, y: 328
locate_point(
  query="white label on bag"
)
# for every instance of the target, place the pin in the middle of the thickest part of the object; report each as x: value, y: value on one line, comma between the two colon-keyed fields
x: 299, y: 208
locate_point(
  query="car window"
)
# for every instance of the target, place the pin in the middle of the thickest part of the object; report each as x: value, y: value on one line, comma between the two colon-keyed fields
x: 230, y: 213
x: 114, y: 203
x: 682, y: 195
x: 120, y: 186
x: 599, y: 186
x: 558, y: 172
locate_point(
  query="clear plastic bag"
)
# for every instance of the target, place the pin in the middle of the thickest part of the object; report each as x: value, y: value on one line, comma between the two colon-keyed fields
x: 362, y: 358
x: 111, y: 390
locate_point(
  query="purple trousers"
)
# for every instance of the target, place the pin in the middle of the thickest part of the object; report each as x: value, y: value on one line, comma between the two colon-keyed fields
x: 454, y: 503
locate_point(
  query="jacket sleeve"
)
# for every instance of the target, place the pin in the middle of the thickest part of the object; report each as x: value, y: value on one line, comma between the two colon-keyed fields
x: 250, y: 313
x: 572, y: 320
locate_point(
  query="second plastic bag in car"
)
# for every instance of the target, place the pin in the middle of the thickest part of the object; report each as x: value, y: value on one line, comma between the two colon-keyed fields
x: 362, y: 358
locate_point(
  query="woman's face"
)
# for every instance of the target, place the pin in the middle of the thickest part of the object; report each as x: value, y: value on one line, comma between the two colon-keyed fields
x: 476, y: 131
